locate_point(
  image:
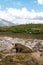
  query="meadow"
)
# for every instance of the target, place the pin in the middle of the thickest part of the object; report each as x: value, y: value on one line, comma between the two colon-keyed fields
x: 26, y: 28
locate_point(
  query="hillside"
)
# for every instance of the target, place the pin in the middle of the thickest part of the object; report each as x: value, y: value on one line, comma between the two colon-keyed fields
x: 25, y: 28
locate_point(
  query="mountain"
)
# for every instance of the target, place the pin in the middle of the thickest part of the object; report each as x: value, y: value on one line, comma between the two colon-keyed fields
x: 4, y: 22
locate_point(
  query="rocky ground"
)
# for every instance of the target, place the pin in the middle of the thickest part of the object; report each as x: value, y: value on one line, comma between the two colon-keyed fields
x: 18, y: 51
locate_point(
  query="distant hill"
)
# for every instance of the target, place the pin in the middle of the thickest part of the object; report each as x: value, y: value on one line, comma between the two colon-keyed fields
x: 4, y: 22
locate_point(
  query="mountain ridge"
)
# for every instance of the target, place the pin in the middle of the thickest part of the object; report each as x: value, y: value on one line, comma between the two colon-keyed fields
x: 4, y: 22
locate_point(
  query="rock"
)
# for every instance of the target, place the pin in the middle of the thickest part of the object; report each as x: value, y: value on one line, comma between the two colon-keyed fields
x: 22, y: 48
x: 38, y: 47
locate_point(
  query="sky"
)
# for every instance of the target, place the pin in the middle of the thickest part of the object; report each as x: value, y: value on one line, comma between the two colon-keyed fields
x: 22, y: 11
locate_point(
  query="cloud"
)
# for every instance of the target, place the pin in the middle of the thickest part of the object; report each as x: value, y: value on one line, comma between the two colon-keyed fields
x: 24, y: 13
x: 40, y: 1
x: 21, y: 16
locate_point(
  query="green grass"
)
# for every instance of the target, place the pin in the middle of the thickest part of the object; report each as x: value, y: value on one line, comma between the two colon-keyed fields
x: 27, y: 28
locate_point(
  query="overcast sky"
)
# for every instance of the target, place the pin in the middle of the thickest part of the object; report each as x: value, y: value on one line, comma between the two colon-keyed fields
x: 22, y: 11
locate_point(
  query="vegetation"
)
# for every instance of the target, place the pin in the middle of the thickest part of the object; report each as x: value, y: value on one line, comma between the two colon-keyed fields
x: 27, y: 28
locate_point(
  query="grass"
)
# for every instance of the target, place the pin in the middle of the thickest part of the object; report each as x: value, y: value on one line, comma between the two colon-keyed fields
x: 27, y: 28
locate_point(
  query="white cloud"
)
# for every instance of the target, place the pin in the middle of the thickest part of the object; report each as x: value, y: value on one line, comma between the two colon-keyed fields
x: 20, y: 16
x: 40, y: 1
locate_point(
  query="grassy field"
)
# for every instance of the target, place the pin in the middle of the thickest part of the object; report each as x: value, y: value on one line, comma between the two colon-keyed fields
x: 27, y: 28
x: 31, y: 31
